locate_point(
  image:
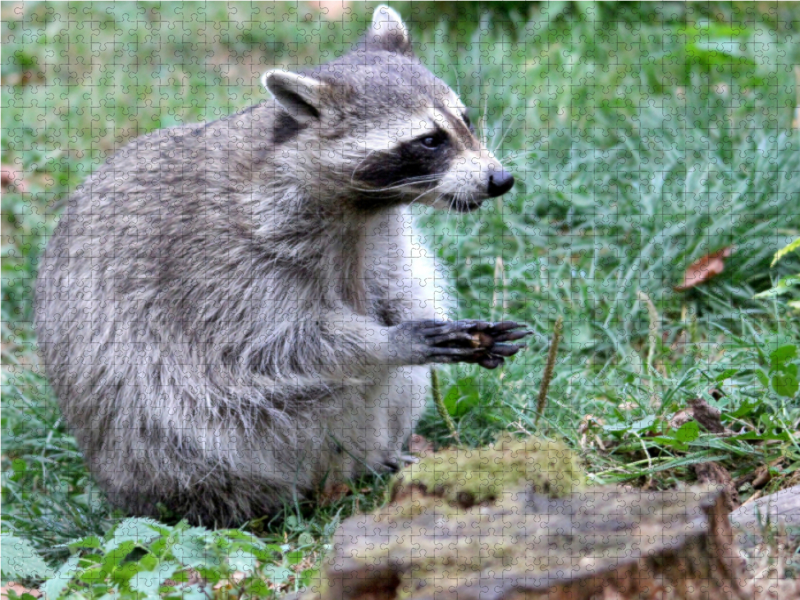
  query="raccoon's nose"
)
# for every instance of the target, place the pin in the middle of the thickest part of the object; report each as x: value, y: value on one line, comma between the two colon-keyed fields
x: 499, y: 183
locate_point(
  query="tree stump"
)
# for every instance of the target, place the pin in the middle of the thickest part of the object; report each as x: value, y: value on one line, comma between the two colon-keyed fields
x: 579, y: 543
x: 781, y: 509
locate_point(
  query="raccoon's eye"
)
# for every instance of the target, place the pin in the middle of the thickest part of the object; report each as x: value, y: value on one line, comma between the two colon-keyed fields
x: 433, y: 141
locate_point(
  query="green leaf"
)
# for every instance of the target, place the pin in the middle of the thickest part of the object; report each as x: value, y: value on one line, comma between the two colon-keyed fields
x: 19, y: 466
x: 643, y: 425
x: 256, y: 588
x: 782, y: 355
x: 92, y: 575
x: 212, y: 575
x: 192, y: 553
x: 130, y: 568
x: 294, y: 557
x: 305, y: 539
x: 795, y: 245
x: 770, y: 427
x: 91, y: 541
x: 691, y: 459
x: 20, y: 560
x: 659, y: 441
x: 234, y: 534
x: 726, y: 374
x: 12, y: 595
x: 679, y: 438
x: 139, y: 531
x: 148, y: 582
x: 53, y: 587
x: 785, y: 382
x: 114, y: 558
x: 746, y: 407
x: 771, y: 434
x: 763, y: 378
x: 688, y: 432
x: 309, y: 576
x: 782, y: 286
x: 239, y: 560
x: 462, y: 397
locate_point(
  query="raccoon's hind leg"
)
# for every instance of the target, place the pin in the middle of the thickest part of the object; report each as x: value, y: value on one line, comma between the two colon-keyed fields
x: 376, y: 420
x: 409, y: 388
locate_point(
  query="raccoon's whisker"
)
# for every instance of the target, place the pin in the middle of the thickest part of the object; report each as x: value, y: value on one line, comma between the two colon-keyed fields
x: 385, y: 189
x: 505, y: 133
x: 406, y: 182
x: 452, y: 200
x: 442, y: 192
x: 452, y: 204
x: 463, y: 196
x: 417, y: 198
x: 502, y: 139
x: 422, y: 178
x: 415, y: 180
x: 483, y: 120
x: 449, y: 203
x: 433, y: 189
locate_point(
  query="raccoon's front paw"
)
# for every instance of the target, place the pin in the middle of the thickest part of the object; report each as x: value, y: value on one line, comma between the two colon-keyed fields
x: 470, y: 341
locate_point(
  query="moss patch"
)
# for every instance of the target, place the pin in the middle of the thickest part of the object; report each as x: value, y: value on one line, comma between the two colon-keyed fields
x: 466, y: 477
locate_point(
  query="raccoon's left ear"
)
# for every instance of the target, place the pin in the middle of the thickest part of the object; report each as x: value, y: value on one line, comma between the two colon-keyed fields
x: 299, y: 95
x: 388, y: 32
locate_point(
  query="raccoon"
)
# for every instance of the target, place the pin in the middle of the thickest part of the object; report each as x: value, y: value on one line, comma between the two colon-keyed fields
x: 233, y: 314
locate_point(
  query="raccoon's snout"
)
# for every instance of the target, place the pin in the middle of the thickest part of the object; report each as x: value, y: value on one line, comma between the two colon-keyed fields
x: 499, y: 183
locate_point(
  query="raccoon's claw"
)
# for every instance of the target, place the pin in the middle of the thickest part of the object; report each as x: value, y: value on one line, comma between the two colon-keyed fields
x: 507, y: 349
x: 510, y: 337
x: 391, y: 466
x: 472, y: 341
x: 491, y: 362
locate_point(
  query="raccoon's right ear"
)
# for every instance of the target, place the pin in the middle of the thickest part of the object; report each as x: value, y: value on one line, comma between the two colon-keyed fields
x: 388, y: 32
x: 299, y: 95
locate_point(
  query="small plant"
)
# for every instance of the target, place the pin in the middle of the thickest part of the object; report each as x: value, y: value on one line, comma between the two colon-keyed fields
x: 20, y: 560
x: 142, y: 558
x: 782, y: 374
x: 788, y: 283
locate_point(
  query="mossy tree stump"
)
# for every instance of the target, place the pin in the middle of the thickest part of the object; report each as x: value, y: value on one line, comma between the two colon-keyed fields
x: 519, y: 534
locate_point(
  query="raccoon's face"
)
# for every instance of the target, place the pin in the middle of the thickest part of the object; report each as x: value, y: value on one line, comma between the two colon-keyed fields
x: 387, y: 130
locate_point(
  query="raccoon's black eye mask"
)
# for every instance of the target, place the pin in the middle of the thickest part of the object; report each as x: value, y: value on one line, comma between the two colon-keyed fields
x: 425, y: 157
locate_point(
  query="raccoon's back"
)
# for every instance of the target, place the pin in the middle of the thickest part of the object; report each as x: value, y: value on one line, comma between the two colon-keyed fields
x: 140, y: 254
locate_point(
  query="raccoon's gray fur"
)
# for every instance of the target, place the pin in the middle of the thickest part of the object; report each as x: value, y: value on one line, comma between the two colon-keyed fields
x: 234, y: 312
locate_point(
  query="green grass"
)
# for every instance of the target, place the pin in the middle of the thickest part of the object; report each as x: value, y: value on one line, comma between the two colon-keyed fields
x: 642, y: 139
